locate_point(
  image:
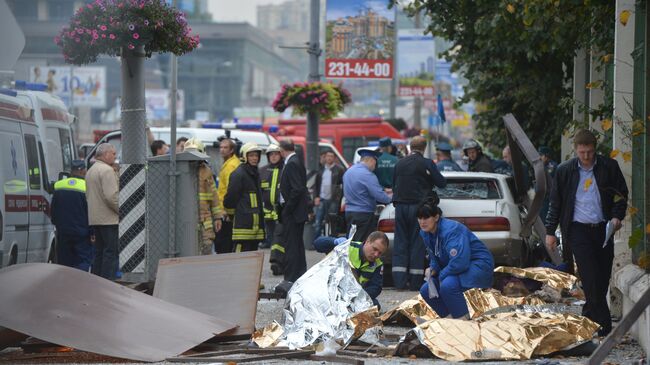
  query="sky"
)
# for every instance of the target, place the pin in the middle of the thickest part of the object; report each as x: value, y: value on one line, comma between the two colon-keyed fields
x: 237, y: 10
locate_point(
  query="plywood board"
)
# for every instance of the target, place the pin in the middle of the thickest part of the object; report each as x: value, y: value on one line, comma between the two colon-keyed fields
x: 224, y: 285
x: 73, y: 308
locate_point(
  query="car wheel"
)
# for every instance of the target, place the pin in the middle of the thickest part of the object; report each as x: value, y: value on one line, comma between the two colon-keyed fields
x: 51, y: 259
x: 13, y: 257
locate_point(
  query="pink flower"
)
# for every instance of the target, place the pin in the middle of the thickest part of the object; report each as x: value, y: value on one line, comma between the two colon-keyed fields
x: 131, y: 46
x: 136, y: 36
x: 111, y: 36
x: 77, y: 40
x: 103, y: 35
x: 102, y: 27
x: 80, y: 31
x: 95, y: 36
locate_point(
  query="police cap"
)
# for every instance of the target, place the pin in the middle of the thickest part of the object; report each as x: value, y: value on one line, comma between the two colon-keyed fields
x: 444, y: 146
x: 78, y: 165
x: 369, y: 153
x: 385, y: 142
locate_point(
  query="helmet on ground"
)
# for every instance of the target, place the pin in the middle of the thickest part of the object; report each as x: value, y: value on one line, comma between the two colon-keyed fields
x: 194, y: 144
x: 248, y: 148
x: 272, y: 148
x: 471, y: 143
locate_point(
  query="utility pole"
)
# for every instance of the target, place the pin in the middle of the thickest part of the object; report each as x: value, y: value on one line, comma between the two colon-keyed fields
x: 314, y: 75
x: 394, y: 81
x: 417, y: 102
x: 173, y: 94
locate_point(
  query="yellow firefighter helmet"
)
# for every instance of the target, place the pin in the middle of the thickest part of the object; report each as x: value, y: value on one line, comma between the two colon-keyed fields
x: 194, y: 144
x: 248, y: 148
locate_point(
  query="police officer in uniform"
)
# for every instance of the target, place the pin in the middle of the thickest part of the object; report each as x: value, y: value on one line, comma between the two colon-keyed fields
x: 364, y: 259
x: 443, y: 154
x: 69, y: 213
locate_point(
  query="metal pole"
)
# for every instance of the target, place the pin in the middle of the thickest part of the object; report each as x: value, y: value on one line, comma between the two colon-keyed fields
x: 394, y: 81
x: 171, y: 251
x: 134, y: 117
x: 314, y: 75
x: 71, y: 90
x: 417, y: 103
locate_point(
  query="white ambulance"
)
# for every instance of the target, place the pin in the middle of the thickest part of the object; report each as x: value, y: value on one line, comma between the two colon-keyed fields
x: 26, y: 233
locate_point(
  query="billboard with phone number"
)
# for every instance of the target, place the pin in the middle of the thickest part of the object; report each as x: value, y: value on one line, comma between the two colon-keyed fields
x: 360, y: 40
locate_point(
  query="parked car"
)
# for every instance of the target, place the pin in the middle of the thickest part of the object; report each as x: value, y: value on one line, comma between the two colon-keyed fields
x: 496, y: 207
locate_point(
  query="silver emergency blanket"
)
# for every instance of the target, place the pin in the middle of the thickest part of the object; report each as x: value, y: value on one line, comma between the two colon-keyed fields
x: 321, y: 302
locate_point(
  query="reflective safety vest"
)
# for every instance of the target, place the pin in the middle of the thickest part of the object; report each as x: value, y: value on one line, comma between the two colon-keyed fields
x: 270, y: 183
x: 69, y: 209
x: 364, y: 270
x: 71, y: 183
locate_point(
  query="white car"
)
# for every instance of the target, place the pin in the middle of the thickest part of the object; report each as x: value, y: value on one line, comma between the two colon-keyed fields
x: 483, y: 202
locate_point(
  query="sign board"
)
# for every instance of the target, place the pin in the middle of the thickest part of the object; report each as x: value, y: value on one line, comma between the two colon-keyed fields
x: 158, y: 104
x: 87, y: 85
x: 360, y: 39
x: 416, y: 64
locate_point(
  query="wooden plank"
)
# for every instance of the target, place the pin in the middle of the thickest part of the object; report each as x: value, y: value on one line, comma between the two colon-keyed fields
x: 339, y: 359
x: 300, y: 354
x: 355, y: 353
x: 598, y: 357
x: 224, y: 286
x: 240, y: 351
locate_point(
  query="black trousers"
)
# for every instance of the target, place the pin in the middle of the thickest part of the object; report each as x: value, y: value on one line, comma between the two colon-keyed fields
x: 295, y: 262
x: 245, y: 245
x: 223, y: 239
x: 106, y: 263
x: 366, y: 223
x: 595, y: 269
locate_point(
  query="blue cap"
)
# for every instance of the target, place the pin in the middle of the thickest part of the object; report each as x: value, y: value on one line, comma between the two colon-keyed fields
x: 78, y: 165
x: 544, y: 150
x: 385, y: 142
x: 369, y: 153
x: 444, y: 146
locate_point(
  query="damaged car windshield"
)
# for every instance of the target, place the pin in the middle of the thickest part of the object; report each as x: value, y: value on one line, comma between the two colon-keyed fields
x: 469, y: 189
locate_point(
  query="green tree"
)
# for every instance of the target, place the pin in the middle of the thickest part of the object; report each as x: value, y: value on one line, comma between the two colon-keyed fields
x: 518, y: 57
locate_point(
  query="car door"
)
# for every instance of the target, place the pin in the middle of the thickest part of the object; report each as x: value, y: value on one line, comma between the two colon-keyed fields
x: 14, y: 211
x: 522, y: 149
x: 39, y: 223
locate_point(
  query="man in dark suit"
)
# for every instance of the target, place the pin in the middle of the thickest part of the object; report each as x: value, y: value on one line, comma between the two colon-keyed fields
x: 294, y: 202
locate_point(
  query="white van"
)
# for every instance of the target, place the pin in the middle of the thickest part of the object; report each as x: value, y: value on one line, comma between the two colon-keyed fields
x: 55, y: 127
x: 208, y: 136
x: 26, y: 233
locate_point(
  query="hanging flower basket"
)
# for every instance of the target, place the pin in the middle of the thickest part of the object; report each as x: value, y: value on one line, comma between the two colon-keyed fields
x: 325, y: 99
x: 109, y: 26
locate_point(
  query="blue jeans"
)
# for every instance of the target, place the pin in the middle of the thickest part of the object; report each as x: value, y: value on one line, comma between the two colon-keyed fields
x: 321, y: 212
x: 450, y: 297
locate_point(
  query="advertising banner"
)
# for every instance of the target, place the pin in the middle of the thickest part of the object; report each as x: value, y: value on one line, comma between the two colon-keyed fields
x: 158, y: 105
x: 87, y: 85
x: 360, y: 39
x: 416, y: 63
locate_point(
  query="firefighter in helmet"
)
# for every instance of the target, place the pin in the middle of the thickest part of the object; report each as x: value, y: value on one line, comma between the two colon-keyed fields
x: 209, y: 212
x: 244, y: 195
x: 270, y: 179
x: 478, y: 161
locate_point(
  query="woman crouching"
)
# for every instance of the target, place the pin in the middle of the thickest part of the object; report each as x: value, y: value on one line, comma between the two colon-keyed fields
x: 458, y: 261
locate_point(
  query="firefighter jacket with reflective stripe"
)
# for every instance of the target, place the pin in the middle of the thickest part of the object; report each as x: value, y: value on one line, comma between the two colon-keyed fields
x: 270, y: 183
x: 208, y: 202
x: 368, y: 273
x: 69, y: 207
x: 224, y: 177
x: 244, y: 197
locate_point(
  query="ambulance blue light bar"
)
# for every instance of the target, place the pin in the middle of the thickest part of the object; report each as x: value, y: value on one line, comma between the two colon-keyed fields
x: 233, y: 125
x: 24, y: 85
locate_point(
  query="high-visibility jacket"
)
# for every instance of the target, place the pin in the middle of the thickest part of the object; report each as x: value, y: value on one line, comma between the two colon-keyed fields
x: 270, y: 183
x: 69, y: 208
x: 368, y: 273
x: 224, y: 177
x: 244, y: 198
x: 209, y: 209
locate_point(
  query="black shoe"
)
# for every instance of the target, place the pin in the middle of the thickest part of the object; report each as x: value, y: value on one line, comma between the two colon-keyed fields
x: 276, y: 270
x: 283, y: 288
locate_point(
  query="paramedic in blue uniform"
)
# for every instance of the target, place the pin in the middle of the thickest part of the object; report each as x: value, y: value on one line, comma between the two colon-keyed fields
x: 362, y: 193
x: 458, y: 261
x: 365, y: 259
x: 69, y: 213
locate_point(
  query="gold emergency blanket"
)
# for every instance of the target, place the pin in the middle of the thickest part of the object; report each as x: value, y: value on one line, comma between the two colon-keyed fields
x: 410, y: 312
x: 555, y: 279
x: 504, y: 336
x: 268, y: 336
x: 480, y: 301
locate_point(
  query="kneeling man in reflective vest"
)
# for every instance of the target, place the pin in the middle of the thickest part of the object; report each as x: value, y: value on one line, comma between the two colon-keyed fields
x: 364, y: 259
